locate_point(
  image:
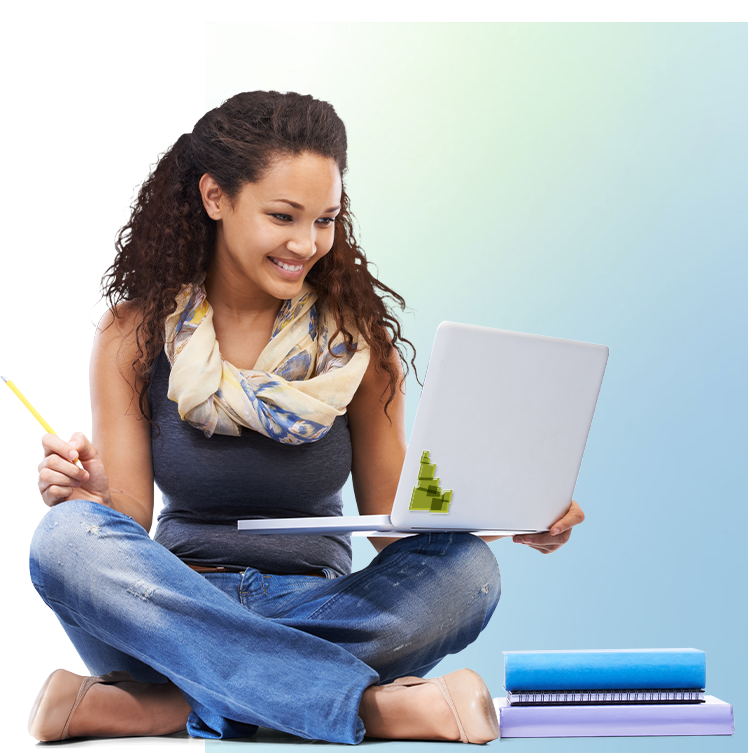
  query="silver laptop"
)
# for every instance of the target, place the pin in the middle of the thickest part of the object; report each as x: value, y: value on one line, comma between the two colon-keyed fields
x: 497, y: 441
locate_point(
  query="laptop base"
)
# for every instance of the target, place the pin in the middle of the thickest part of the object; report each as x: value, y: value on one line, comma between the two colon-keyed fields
x: 359, y: 525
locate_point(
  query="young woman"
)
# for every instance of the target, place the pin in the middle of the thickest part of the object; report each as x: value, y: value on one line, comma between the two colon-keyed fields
x: 248, y: 365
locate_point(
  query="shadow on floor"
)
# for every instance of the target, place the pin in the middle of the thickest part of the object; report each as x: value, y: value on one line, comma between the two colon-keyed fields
x: 182, y: 741
x: 270, y: 736
x: 177, y: 741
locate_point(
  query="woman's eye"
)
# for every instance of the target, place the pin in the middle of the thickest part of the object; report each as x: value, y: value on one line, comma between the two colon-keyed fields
x: 324, y: 221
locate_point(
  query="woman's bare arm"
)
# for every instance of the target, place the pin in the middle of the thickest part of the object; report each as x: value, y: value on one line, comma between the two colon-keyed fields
x: 120, y: 433
x: 378, y: 444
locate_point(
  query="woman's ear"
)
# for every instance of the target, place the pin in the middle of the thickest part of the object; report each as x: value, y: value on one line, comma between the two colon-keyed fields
x: 214, y: 200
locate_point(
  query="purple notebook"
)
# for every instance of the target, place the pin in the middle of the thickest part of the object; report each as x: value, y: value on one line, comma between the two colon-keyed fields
x: 713, y: 717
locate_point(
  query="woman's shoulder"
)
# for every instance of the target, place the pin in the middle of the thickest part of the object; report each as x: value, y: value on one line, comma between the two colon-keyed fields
x: 120, y: 321
x: 116, y: 340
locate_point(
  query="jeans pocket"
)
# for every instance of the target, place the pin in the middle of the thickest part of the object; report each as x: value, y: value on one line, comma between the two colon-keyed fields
x: 251, y: 584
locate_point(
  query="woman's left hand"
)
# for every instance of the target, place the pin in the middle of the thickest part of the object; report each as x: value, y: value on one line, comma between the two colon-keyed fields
x: 558, y: 535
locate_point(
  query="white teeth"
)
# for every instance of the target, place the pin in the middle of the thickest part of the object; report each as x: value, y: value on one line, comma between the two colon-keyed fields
x: 283, y: 265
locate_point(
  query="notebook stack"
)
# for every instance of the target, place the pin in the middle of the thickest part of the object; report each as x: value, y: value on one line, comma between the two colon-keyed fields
x: 609, y: 693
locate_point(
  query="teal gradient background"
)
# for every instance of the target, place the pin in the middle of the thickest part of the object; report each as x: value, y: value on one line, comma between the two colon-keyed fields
x: 585, y: 181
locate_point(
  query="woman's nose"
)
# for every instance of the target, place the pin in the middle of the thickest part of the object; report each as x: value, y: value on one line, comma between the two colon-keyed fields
x: 303, y: 244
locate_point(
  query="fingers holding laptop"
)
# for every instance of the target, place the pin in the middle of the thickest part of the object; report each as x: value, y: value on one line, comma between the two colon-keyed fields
x: 558, y: 535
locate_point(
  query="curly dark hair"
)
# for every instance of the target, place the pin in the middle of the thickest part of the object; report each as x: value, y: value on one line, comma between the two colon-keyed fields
x: 169, y: 239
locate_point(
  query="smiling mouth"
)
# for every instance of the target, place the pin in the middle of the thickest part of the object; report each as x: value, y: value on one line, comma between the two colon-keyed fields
x: 285, y: 265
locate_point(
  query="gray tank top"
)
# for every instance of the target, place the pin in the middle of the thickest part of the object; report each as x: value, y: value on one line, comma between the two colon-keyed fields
x: 208, y: 484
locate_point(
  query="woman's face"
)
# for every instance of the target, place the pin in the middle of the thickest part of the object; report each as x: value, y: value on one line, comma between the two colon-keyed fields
x: 276, y: 229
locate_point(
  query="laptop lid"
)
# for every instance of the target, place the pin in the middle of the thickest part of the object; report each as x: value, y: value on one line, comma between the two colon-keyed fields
x: 503, y: 419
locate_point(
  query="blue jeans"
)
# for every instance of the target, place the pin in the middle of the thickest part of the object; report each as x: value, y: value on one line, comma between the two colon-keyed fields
x: 289, y: 652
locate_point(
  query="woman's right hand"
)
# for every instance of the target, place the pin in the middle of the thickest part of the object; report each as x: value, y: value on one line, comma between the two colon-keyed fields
x: 61, y: 480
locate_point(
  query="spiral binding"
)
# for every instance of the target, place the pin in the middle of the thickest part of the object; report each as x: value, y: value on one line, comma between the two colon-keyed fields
x: 559, y: 697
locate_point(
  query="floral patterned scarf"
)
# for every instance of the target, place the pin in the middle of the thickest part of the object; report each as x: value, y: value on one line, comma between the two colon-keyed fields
x: 296, y: 389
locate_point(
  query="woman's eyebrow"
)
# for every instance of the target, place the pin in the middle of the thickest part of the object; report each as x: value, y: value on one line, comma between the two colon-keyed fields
x: 300, y: 207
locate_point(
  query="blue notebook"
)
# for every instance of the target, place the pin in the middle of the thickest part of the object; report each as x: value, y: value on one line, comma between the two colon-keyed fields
x: 604, y: 669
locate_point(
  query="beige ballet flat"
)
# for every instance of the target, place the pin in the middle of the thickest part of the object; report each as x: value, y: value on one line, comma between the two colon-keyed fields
x: 58, y: 699
x: 470, y: 701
